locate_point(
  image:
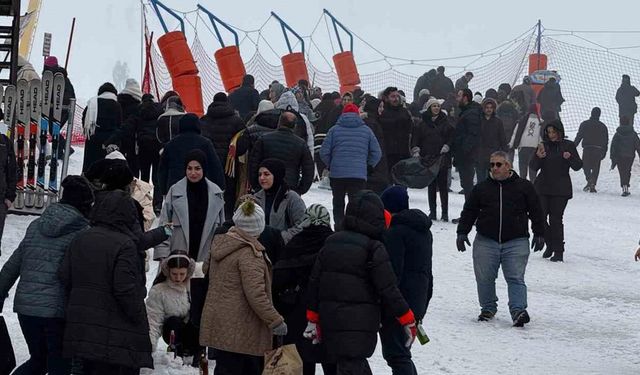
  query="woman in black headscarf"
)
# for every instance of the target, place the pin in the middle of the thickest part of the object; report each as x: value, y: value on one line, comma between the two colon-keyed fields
x: 194, y: 207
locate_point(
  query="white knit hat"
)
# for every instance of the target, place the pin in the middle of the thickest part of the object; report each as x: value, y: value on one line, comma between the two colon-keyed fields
x: 132, y: 88
x: 431, y: 102
x: 249, y: 217
x: 264, y: 105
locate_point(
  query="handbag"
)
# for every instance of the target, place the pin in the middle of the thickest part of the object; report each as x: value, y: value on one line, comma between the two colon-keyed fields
x: 7, y: 356
x: 283, y: 360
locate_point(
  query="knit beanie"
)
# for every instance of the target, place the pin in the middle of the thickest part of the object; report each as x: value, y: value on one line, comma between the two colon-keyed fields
x: 220, y: 97
x: 77, y: 192
x: 107, y: 87
x: 277, y: 169
x: 132, y: 87
x: 196, y: 155
x: 351, y: 108
x: 51, y: 61
x: 264, y: 105
x: 189, y: 122
x: 116, y: 175
x: 395, y: 199
x: 316, y: 214
x: 249, y: 217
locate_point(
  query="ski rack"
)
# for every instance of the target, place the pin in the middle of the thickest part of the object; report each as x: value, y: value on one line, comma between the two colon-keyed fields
x: 53, y: 197
x: 215, y: 19
x: 157, y: 5
x: 285, y: 27
x: 337, y: 23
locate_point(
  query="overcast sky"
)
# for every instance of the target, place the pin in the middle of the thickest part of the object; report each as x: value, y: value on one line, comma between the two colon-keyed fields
x: 109, y: 30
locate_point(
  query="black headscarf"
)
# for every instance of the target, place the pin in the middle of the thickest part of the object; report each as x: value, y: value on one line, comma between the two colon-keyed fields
x: 276, y: 193
x: 198, y: 202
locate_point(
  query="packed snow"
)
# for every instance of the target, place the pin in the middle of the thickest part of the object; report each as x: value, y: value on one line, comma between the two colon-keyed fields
x: 584, y: 312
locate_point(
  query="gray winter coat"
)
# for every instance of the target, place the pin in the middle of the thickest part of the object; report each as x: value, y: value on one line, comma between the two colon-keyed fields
x: 37, y: 259
x: 289, y: 214
x: 176, y: 210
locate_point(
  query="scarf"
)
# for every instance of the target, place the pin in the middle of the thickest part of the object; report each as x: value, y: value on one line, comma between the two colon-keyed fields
x: 198, y: 202
x: 90, y: 125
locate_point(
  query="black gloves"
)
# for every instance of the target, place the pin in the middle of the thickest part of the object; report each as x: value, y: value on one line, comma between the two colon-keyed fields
x: 461, y: 240
x: 537, y: 243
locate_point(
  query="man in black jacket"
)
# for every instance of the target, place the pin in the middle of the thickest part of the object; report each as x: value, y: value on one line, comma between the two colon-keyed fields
x: 492, y: 135
x: 441, y: 85
x: 626, y: 98
x: 246, y: 98
x: 397, y: 126
x: 467, y: 141
x: 409, y: 244
x: 501, y: 207
x: 220, y: 124
x: 351, y: 281
x: 283, y: 144
x: 171, y: 169
x: 594, y: 136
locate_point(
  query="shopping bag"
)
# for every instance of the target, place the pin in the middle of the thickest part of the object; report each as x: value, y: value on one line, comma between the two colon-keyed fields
x: 283, y: 360
x: 7, y: 357
x: 416, y: 172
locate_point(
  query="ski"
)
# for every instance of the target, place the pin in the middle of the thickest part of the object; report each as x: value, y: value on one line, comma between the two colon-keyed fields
x: 10, y: 109
x: 35, y: 85
x: 47, y: 83
x: 22, y: 116
x: 58, y: 90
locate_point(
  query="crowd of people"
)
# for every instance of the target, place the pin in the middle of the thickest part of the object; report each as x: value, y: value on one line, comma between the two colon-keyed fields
x: 218, y: 202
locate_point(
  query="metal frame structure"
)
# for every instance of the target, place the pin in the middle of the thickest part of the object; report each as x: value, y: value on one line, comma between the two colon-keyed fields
x: 285, y: 27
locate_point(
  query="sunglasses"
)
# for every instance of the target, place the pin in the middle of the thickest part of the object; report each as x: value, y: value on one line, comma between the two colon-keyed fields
x: 497, y: 165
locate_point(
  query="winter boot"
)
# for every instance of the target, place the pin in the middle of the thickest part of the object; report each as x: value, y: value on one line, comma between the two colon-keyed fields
x: 455, y: 221
x: 547, y: 253
x: 486, y: 316
x: 445, y: 217
x: 592, y: 189
x: 586, y: 187
x: 557, y: 257
x: 521, y: 318
x: 433, y: 216
x: 625, y: 191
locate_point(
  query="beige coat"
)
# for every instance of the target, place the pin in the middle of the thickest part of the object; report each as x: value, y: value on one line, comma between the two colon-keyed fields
x: 238, y: 314
x: 141, y: 192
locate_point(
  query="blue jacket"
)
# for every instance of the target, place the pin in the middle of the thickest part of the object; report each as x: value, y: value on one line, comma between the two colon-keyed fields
x: 37, y: 259
x: 350, y: 146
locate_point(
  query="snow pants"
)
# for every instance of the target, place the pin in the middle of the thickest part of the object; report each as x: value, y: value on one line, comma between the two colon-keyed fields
x: 339, y: 188
x: 553, y: 209
x: 397, y: 355
x: 488, y: 256
x: 591, y: 158
x: 44, y: 337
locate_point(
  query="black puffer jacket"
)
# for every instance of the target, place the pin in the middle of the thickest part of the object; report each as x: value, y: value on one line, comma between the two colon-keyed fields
x: 550, y: 97
x: 108, y: 122
x: 104, y: 274
x: 148, y: 113
x: 290, y: 285
x: 352, y: 279
x: 625, y: 144
x: 292, y: 150
x: 467, y: 136
x: 493, y: 138
x: 410, y: 246
x: 127, y: 131
x: 378, y: 176
x: 554, y: 178
x: 430, y: 136
x: 244, y: 100
x: 593, y: 134
x: 441, y: 86
x: 509, y: 114
x: 172, y: 169
x: 220, y: 124
x: 397, y: 125
x: 501, y: 210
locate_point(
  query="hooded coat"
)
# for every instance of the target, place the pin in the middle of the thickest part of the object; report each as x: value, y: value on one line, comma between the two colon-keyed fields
x: 492, y: 138
x: 220, y: 124
x: 172, y: 168
x: 176, y: 210
x: 626, y: 98
x: 410, y: 246
x: 103, y: 271
x: 593, y: 134
x: 37, y: 259
x: 352, y: 280
x: 467, y: 136
x: 554, y: 178
x: 238, y: 313
x: 625, y: 144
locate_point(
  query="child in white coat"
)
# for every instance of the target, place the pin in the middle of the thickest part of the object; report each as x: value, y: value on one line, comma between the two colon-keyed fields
x: 169, y: 305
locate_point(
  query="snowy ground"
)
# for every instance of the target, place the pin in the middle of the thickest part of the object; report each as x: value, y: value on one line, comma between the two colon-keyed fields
x: 584, y: 312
